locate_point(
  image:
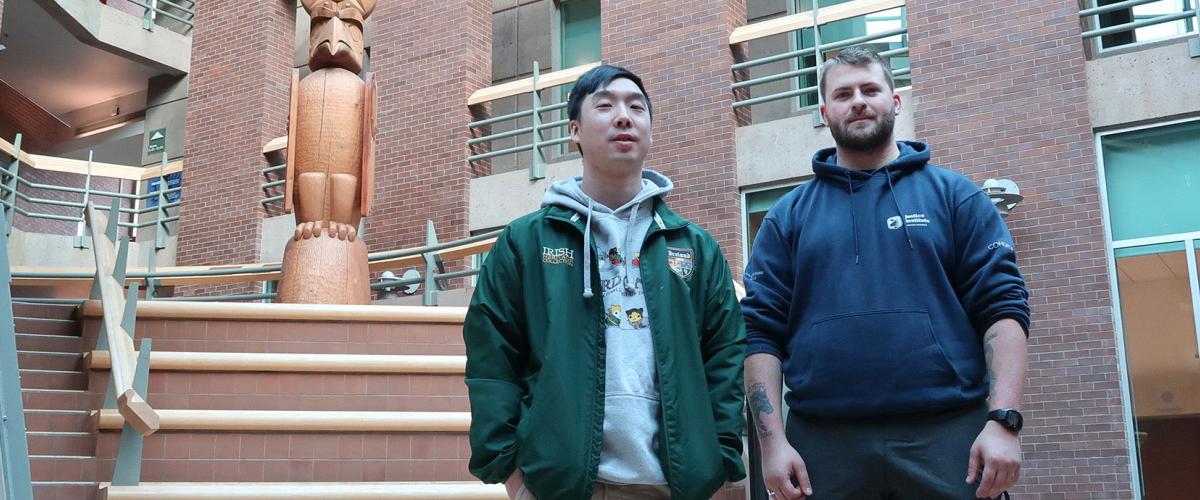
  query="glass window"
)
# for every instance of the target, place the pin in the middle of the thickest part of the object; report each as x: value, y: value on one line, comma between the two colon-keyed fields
x: 1159, y: 324
x: 580, y: 42
x: 1153, y: 186
x: 757, y: 204
x: 1153, y: 180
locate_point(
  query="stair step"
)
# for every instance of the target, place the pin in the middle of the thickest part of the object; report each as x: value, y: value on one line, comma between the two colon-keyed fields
x: 58, y: 420
x: 49, y: 343
x: 62, y: 467
x: 48, y: 360
x: 59, y: 399
x: 49, y: 311
x: 349, y: 490
x: 53, y: 379
x: 61, y: 443
x: 46, y: 326
x: 65, y: 490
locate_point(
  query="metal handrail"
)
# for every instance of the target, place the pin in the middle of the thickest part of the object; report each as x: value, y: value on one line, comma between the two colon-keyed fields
x: 1100, y: 31
x: 816, y: 50
x: 537, y: 166
x: 152, y: 10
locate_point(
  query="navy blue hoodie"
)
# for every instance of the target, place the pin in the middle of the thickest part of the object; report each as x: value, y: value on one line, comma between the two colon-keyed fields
x: 874, y: 288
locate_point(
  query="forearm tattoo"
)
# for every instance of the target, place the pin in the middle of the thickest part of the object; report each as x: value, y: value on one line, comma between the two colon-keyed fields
x: 989, y: 354
x: 760, y: 403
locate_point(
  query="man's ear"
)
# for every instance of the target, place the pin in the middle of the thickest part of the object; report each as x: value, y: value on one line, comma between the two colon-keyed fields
x: 897, y: 105
x: 573, y: 128
x: 824, y: 117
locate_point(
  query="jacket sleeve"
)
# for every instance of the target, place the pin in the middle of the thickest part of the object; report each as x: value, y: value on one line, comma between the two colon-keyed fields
x: 497, y: 353
x: 987, y: 279
x: 768, y: 281
x: 724, y: 352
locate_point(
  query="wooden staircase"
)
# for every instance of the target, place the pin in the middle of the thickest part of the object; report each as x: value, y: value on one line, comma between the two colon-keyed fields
x: 56, y: 400
x: 258, y: 401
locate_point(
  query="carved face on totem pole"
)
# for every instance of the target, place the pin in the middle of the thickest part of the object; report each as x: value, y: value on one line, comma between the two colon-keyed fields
x: 336, y: 33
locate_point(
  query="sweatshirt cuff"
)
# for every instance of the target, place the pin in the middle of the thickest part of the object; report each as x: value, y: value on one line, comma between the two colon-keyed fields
x: 1020, y: 316
x: 760, y: 346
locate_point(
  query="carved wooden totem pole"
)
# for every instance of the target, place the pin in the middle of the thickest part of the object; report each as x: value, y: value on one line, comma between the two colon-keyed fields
x: 330, y: 161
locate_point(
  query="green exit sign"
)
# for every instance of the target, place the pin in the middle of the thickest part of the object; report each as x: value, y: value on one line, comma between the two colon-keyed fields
x: 158, y: 141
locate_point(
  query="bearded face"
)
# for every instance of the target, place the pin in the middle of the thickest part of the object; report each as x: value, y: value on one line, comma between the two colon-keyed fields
x: 864, y: 133
x: 336, y: 33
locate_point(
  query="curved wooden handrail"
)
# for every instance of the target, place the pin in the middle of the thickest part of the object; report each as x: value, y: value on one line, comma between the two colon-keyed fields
x: 289, y: 312
x: 439, y: 490
x: 805, y: 20
x: 293, y: 363
x: 83, y: 274
x: 140, y: 414
x: 56, y: 164
x: 298, y: 421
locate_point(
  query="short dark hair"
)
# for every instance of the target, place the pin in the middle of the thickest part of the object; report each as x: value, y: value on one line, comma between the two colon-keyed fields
x: 857, y: 56
x: 597, y: 79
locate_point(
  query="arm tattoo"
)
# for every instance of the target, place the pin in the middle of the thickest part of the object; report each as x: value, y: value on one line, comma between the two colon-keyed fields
x: 989, y: 354
x: 760, y: 403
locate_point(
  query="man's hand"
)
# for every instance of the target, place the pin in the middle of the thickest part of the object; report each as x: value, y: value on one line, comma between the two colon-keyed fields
x: 783, y: 470
x: 513, y: 483
x: 998, y: 451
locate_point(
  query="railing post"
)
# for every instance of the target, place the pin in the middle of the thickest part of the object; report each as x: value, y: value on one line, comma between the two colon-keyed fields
x: 128, y: 469
x: 433, y: 265
x: 10, y: 198
x: 537, y: 169
x: 1194, y: 43
x: 818, y: 120
x: 150, y: 15
x: 14, y: 447
x: 160, y: 231
x: 81, y: 239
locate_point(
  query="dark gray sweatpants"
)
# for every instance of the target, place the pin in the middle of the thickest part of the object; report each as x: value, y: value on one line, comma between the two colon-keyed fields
x: 922, y: 457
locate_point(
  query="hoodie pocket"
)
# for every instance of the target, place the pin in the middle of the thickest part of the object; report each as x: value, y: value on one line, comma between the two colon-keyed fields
x: 874, y: 356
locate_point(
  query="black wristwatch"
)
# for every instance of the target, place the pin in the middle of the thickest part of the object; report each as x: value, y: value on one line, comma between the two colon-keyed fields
x: 1011, y: 419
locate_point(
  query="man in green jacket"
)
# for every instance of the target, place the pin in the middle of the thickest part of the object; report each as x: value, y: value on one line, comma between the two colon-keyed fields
x: 604, y: 341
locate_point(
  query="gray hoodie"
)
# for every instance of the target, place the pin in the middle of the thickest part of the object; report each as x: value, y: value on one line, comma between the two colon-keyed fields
x: 632, y: 406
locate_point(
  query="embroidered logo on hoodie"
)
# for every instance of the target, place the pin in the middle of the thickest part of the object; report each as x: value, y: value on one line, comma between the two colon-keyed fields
x: 681, y: 261
x: 558, y: 256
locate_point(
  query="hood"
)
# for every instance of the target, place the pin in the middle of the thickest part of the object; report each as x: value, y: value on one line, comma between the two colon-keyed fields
x: 913, y: 155
x: 568, y: 193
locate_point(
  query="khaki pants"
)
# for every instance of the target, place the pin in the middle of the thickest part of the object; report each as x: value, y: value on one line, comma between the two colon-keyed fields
x: 605, y: 491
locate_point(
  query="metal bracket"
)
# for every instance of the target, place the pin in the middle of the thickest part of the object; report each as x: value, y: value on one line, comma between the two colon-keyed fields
x: 1194, y: 47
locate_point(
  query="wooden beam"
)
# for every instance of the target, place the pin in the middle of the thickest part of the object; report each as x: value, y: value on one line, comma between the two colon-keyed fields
x: 251, y: 311
x: 298, y: 421
x: 293, y: 363
x: 276, y: 144
x: 803, y: 20
x: 56, y: 164
x: 440, y: 490
x: 113, y: 170
x: 525, y: 86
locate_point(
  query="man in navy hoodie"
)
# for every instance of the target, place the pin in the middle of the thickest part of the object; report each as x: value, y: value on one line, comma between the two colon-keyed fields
x: 886, y: 292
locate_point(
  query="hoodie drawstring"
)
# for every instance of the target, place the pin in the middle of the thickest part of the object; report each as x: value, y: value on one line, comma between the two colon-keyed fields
x: 903, y: 223
x: 629, y: 289
x: 587, y: 253
x: 853, y: 218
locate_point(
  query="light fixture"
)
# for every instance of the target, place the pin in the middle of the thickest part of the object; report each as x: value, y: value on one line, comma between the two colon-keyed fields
x: 1004, y: 194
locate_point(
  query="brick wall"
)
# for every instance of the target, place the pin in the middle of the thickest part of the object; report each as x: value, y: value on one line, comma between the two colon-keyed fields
x: 681, y: 52
x: 49, y: 177
x: 999, y: 90
x: 428, y: 58
x: 238, y: 100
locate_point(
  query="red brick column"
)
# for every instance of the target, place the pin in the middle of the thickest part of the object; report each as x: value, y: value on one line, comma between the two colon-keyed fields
x: 428, y: 57
x: 681, y: 52
x: 237, y: 102
x: 999, y: 90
